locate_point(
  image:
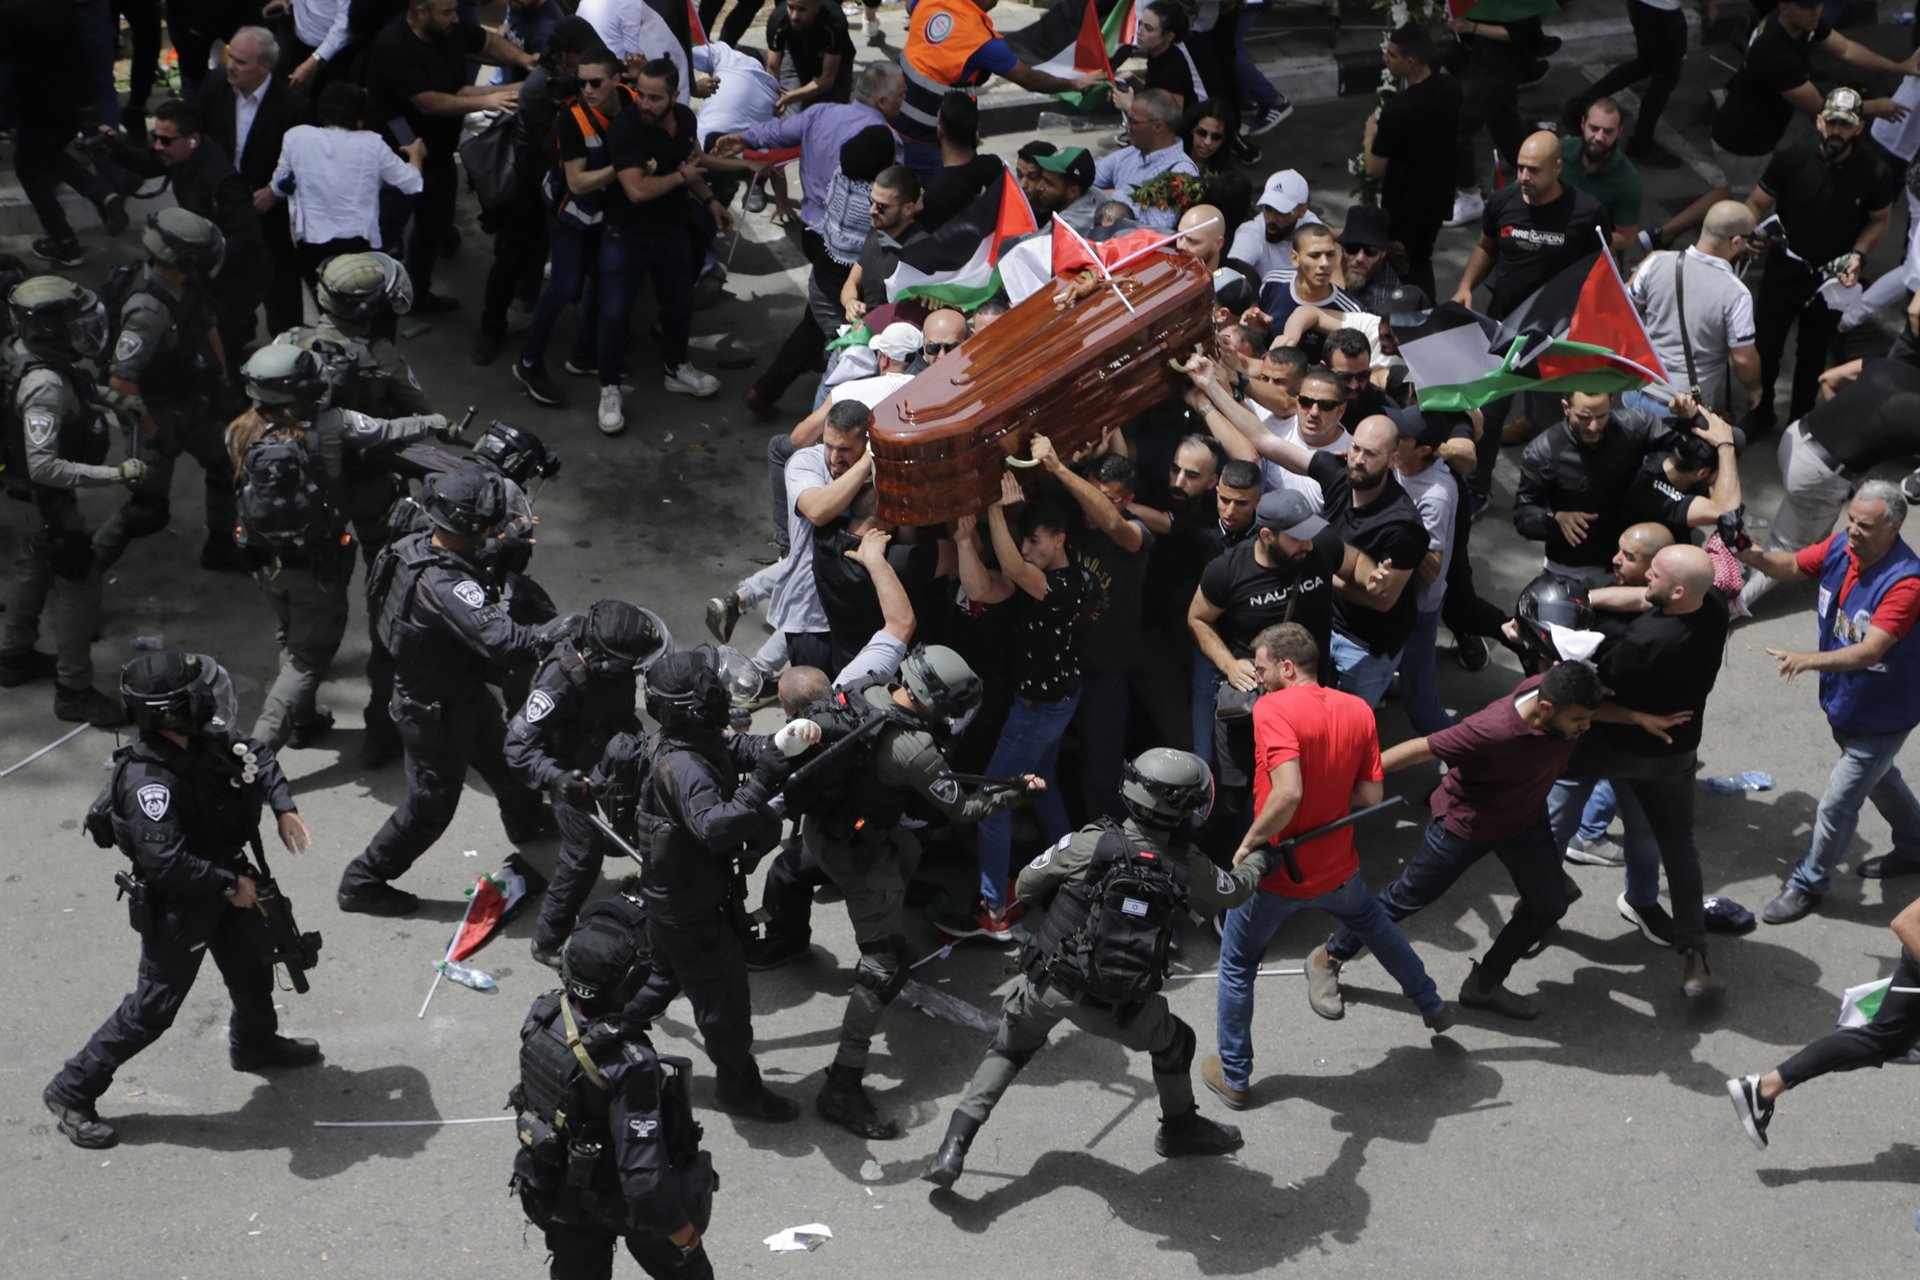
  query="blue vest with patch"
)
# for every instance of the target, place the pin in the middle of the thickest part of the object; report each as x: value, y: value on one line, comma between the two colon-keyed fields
x: 1883, y: 698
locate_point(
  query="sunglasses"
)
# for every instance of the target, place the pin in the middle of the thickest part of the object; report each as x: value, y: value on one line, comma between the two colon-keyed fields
x: 1218, y: 135
x: 938, y: 348
x: 1314, y: 402
x: 594, y: 82
x: 1352, y: 379
x: 1362, y: 250
x: 881, y: 208
x: 167, y: 140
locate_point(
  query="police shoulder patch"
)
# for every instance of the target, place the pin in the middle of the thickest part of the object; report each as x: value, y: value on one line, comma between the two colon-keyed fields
x: 1043, y: 860
x: 41, y: 424
x: 539, y: 705
x: 945, y: 789
x: 128, y: 346
x: 1222, y: 881
x: 468, y: 592
x: 153, y: 800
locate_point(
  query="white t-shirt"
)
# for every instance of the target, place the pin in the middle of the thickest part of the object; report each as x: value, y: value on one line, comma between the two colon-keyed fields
x: 796, y: 603
x: 869, y: 391
x: 1434, y: 492
x: 1278, y: 477
x: 633, y: 26
x: 1901, y: 137
x: 1251, y: 246
x: 746, y: 94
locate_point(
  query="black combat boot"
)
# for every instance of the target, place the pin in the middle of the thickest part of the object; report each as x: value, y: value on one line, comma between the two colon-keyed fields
x: 23, y: 666
x: 774, y: 948
x: 843, y: 1101
x: 88, y: 705
x: 951, y: 1159
x: 82, y: 1125
x: 281, y: 1051
x: 377, y: 900
x: 1194, y: 1135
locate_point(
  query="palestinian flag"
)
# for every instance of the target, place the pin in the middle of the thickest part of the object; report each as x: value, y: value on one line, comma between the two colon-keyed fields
x: 1073, y: 38
x: 1036, y: 262
x: 696, y: 30
x: 492, y: 901
x: 960, y: 263
x: 1579, y: 332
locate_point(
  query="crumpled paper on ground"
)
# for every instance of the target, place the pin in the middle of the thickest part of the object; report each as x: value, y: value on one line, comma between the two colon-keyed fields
x: 799, y: 1239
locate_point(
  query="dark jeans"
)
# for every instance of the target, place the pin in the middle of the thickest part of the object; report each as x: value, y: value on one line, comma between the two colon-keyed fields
x: 586, y: 1253
x: 1417, y: 237
x: 1895, y: 1029
x: 1655, y: 794
x: 1531, y: 858
x: 1100, y: 727
x: 519, y: 251
x: 1659, y: 50
x: 284, y: 309
x: 625, y: 258
x: 576, y: 868
x: 809, y: 649
x: 1789, y: 294
x: 573, y: 254
x: 40, y: 158
x: 807, y: 340
x: 312, y: 256
x: 779, y: 450
x: 1492, y: 101
x: 432, y: 219
x: 143, y: 66
x: 792, y: 877
x: 707, y: 963
x: 1463, y: 611
x: 195, y: 26
x: 738, y: 20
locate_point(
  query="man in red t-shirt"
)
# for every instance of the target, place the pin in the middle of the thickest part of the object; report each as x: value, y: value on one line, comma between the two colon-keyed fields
x: 1316, y: 756
x: 1501, y: 763
x: 1868, y: 666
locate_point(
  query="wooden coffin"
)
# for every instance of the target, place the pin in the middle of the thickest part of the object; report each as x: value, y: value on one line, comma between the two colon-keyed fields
x: 940, y: 442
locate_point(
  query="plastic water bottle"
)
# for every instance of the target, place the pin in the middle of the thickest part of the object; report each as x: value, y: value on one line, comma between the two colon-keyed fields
x: 1751, y: 780
x: 467, y: 976
x: 148, y: 644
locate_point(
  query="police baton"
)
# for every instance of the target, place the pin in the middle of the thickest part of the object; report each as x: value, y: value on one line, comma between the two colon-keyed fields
x: 1287, y: 846
x: 986, y: 783
x: 466, y: 420
x: 799, y: 777
x: 606, y: 829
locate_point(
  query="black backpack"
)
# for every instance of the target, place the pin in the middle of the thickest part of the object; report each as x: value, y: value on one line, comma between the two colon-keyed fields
x: 1107, y: 935
x: 284, y: 504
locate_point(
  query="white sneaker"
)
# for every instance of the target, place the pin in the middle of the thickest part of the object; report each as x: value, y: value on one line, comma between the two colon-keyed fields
x: 689, y: 381
x: 1468, y: 206
x: 612, y: 421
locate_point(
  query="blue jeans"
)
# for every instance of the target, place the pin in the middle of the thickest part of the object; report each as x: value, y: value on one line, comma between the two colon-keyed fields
x: 572, y: 252
x: 1100, y: 723
x: 1567, y: 805
x: 625, y: 257
x: 1362, y: 672
x: 1250, y: 929
x: 1598, y: 815
x: 1255, y: 87
x: 1206, y: 680
x: 1419, y: 688
x: 1029, y: 743
x: 1864, y: 771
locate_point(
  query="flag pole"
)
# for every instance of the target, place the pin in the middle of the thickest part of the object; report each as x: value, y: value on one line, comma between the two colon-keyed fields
x: 439, y: 970
x: 1606, y: 251
x: 1101, y: 267
x: 1157, y: 245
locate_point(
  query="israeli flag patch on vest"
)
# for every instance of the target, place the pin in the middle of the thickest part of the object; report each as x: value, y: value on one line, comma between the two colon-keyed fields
x: 153, y: 800
x: 1133, y: 907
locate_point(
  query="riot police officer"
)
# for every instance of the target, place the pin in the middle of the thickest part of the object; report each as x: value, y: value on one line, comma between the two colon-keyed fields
x: 184, y: 799
x: 1113, y: 892
x: 441, y: 619
x: 584, y: 692
x: 168, y: 353
x: 695, y: 817
x: 851, y: 829
x: 65, y: 443
x: 290, y: 461
x: 609, y: 1149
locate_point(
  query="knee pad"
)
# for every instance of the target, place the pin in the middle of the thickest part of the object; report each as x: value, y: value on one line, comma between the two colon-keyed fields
x: 883, y: 969
x: 1178, y: 1056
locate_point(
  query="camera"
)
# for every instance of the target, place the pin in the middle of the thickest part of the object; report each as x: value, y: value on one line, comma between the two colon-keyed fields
x: 1732, y: 528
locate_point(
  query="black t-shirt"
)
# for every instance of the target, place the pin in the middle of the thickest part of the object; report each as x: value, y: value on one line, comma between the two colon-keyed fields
x: 1173, y: 71
x: 846, y: 589
x: 1875, y: 420
x: 401, y: 64
x: 1416, y: 139
x: 878, y: 257
x: 1651, y: 497
x: 954, y: 188
x: 1661, y: 664
x: 1823, y: 206
x: 1533, y: 243
x: 1256, y: 596
x: 1049, y: 657
x: 1111, y: 636
x: 1388, y: 528
x: 1755, y: 115
x: 632, y: 143
x: 809, y: 46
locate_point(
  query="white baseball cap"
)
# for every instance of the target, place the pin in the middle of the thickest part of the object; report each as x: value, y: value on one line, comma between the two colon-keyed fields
x: 899, y: 340
x: 1285, y: 191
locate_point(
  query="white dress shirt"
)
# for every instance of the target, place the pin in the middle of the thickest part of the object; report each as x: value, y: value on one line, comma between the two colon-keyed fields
x: 632, y: 26
x: 337, y: 176
x: 321, y: 26
x: 246, y: 108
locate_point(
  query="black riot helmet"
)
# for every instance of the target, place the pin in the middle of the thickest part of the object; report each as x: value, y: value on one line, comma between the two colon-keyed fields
x: 685, y: 693
x: 617, y: 638
x: 1167, y: 789
x: 516, y: 453
x: 1550, y: 600
x: 178, y: 692
x: 941, y: 681
x: 468, y: 500
x: 606, y: 957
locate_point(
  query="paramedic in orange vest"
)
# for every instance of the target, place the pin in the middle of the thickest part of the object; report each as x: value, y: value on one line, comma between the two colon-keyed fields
x: 951, y: 44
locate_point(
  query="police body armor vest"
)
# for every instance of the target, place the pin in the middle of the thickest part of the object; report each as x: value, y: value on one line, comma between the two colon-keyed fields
x: 847, y: 798
x: 178, y: 371
x: 224, y: 814
x: 83, y: 440
x: 606, y: 710
x: 390, y: 586
x: 1107, y: 935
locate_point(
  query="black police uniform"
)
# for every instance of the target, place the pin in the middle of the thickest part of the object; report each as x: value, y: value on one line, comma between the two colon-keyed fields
x: 710, y: 817
x: 177, y: 817
x: 564, y: 726
x: 443, y: 622
x: 627, y: 1168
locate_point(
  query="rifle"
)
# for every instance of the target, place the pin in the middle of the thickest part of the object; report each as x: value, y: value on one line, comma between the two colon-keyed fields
x: 1287, y: 846
x: 285, y: 944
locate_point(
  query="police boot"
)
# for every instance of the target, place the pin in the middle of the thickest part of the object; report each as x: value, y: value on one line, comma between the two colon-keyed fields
x: 951, y: 1159
x: 842, y: 1100
x: 774, y: 948
x: 82, y: 1126
x: 220, y: 555
x: 1194, y: 1135
x: 23, y: 666
x: 88, y: 706
x: 379, y: 749
x: 281, y: 1051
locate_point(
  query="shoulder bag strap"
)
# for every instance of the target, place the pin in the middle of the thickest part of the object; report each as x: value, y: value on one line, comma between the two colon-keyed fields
x: 1680, y: 304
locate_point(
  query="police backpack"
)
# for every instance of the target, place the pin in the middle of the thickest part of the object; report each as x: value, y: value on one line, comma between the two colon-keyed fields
x: 832, y: 777
x: 283, y: 501
x: 1107, y: 936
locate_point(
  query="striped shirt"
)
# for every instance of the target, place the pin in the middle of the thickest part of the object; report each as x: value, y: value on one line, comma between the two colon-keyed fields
x: 1280, y: 299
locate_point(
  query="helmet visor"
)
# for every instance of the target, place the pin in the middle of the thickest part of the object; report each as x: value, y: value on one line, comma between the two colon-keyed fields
x: 399, y: 285
x: 215, y: 706
x: 742, y: 678
x: 87, y: 331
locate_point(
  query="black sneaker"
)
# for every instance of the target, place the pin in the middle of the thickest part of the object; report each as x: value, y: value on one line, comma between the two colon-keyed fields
x: 548, y: 956
x: 377, y: 900
x: 1755, y: 1112
x: 1472, y: 652
x: 281, y: 1051
x: 1194, y: 1135
x: 762, y: 1105
x: 1652, y: 921
x: 775, y: 949
x: 61, y: 253
x: 1535, y: 74
x: 723, y: 614
x: 581, y: 367
x: 538, y: 384
x: 1270, y: 119
x: 306, y: 734
x: 1244, y: 151
x: 25, y: 666
x: 82, y: 1126
x: 89, y: 706
x: 1651, y: 155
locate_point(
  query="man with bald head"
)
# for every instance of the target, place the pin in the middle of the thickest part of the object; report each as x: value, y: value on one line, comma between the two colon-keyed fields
x: 1715, y: 349
x: 1533, y: 230
x: 1645, y: 739
x: 940, y: 333
x: 1203, y: 237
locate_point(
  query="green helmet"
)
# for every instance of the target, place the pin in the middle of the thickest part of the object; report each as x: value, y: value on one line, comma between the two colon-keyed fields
x: 358, y: 286
x: 941, y: 681
x: 283, y: 375
x: 1167, y: 789
x: 56, y: 317
x: 185, y: 241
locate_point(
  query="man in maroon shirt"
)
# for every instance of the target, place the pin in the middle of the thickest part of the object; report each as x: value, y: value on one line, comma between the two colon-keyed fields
x: 1502, y: 761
